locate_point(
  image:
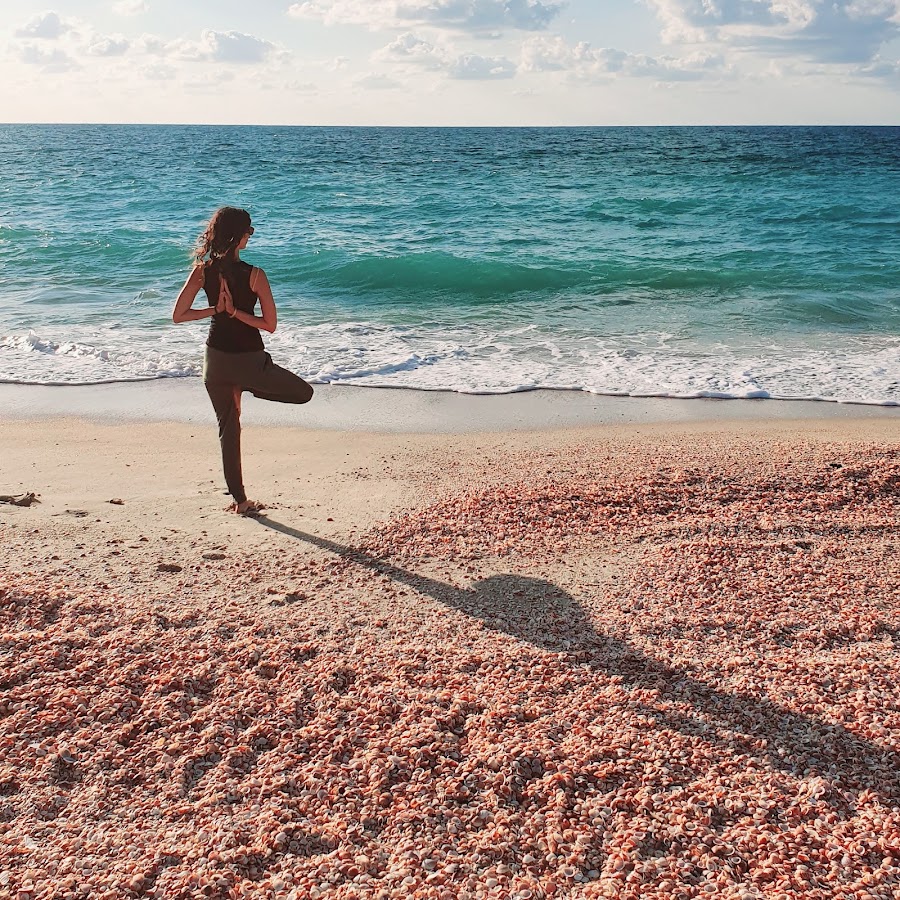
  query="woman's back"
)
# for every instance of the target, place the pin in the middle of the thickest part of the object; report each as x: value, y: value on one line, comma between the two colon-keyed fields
x: 226, y: 333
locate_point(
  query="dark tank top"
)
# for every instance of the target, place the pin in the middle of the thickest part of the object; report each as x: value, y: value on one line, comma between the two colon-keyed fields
x: 227, y: 334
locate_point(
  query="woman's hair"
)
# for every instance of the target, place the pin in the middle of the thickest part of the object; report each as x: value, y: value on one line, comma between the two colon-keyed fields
x: 224, y: 232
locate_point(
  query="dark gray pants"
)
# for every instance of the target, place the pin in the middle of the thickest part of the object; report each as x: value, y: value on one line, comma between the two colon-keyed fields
x: 226, y: 376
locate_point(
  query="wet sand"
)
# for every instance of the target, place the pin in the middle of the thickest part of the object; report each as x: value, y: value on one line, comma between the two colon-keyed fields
x: 348, y: 408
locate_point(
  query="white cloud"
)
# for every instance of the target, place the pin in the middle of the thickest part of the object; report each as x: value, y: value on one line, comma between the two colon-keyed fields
x: 693, y: 67
x: 229, y: 47
x: 553, y: 54
x: 886, y: 70
x: 468, y: 15
x: 411, y: 49
x: 470, y: 66
x: 151, y: 45
x: 131, y: 7
x: 48, y: 26
x: 109, y: 45
x: 829, y: 31
x: 54, y: 60
x: 235, y: 47
x: 414, y: 51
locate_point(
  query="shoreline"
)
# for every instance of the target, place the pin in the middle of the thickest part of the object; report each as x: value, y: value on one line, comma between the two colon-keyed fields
x: 411, y: 411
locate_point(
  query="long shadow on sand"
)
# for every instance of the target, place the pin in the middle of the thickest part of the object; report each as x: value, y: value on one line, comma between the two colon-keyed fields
x: 735, y: 722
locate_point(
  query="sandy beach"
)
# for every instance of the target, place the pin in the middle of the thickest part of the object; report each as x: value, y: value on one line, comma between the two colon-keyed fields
x: 545, y: 645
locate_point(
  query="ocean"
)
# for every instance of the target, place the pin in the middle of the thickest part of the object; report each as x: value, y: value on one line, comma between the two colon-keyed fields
x: 672, y: 262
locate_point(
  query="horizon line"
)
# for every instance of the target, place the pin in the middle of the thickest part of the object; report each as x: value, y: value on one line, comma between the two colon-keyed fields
x: 435, y: 127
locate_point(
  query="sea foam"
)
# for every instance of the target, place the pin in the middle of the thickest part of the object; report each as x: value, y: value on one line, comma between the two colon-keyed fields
x: 484, y: 360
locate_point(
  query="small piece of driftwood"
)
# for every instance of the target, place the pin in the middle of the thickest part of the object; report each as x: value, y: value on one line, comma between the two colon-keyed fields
x: 19, y: 499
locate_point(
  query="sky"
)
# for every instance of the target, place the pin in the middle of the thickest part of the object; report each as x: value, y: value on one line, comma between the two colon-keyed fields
x: 452, y: 62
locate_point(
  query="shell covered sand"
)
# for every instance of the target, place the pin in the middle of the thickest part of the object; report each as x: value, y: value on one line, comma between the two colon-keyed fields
x: 653, y: 675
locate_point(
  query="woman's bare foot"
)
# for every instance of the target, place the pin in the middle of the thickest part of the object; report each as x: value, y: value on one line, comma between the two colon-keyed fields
x: 248, y: 508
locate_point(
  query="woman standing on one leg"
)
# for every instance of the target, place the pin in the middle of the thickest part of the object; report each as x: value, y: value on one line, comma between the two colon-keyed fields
x: 235, y: 359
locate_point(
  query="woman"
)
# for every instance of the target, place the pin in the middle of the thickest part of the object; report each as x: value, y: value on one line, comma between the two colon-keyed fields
x: 235, y: 359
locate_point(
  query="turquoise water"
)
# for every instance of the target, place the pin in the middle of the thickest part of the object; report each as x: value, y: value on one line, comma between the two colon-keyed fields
x: 732, y: 262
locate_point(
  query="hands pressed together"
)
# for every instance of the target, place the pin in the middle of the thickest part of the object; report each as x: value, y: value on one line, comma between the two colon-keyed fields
x: 226, y: 301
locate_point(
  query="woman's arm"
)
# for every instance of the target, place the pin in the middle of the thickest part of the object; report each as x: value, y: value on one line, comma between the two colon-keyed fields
x: 268, y: 321
x: 183, y: 311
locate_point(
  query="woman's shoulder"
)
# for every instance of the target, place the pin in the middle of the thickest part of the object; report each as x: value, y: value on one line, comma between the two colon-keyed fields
x: 256, y: 273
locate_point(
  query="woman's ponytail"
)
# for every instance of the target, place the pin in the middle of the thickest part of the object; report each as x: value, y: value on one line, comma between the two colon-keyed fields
x: 216, y: 245
x: 222, y: 235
